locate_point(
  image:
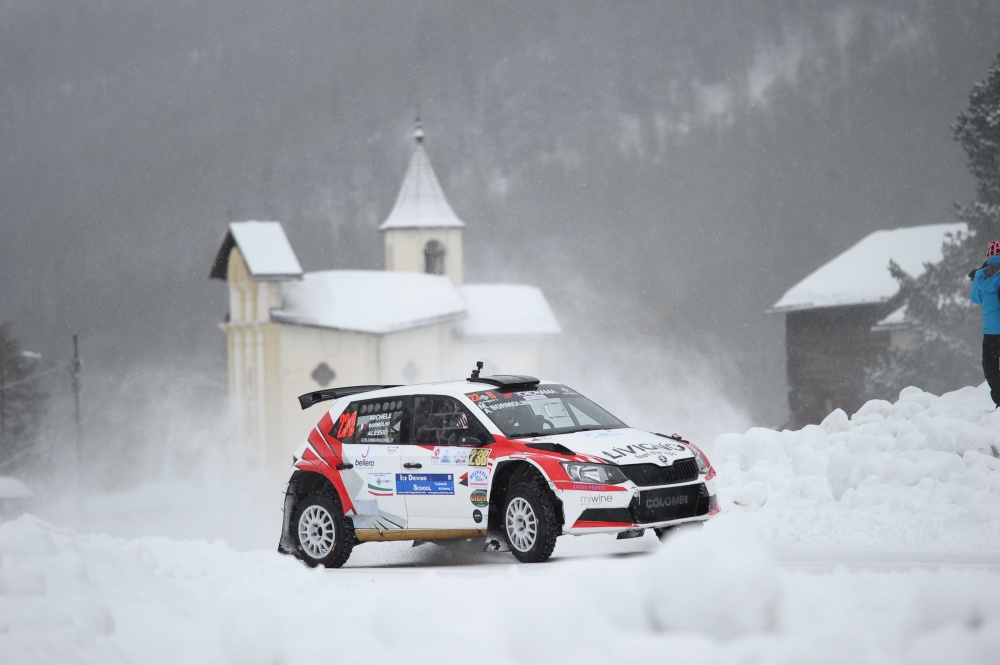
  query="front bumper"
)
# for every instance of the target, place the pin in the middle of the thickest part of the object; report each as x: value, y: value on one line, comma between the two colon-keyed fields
x: 604, y: 511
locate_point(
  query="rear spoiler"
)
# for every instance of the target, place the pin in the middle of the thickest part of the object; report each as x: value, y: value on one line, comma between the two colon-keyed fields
x: 307, y: 400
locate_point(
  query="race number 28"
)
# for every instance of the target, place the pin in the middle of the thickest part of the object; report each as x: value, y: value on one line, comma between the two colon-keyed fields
x: 346, y: 428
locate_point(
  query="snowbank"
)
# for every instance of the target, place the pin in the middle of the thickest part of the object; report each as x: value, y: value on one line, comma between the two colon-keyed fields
x: 711, y: 596
x: 922, y: 472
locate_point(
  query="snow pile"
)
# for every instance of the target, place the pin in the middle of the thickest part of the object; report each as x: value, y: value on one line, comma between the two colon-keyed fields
x: 922, y: 472
x: 729, y: 596
x: 712, y: 595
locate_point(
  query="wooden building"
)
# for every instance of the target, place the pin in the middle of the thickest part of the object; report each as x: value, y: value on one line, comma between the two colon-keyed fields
x: 847, y: 312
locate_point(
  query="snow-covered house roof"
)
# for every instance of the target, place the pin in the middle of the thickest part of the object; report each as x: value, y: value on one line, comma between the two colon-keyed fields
x: 265, y: 248
x: 861, y: 276
x: 421, y: 202
x: 506, y: 310
x: 896, y: 320
x: 369, y: 301
x: 12, y: 488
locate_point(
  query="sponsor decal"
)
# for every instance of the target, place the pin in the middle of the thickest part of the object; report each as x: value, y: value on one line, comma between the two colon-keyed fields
x: 477, y: 516
x: 450, y: 455
x: 363, y: 461
x: 479, y: 457
x: 391, y: 450
x: 536, y: 394
x: 380, y: 484
x: 463, y: 479
x: 666, y: 501
x: 596, y: 499
x: 644, y: 450
x: 588, y: 488
x: 479, y: 499
x: 425, y: 483
x: 477, y: 478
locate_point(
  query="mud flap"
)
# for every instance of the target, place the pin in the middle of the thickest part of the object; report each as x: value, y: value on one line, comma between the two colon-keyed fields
x: 287, y: 544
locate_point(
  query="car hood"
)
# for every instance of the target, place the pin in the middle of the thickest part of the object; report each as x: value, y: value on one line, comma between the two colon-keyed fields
x: 620, y: 446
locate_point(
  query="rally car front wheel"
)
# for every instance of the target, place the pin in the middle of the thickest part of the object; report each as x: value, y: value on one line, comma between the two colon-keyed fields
x: 530, y: 523
x: 323, y: 536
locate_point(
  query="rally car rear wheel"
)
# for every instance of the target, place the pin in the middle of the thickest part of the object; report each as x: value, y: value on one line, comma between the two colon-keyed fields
x: 323, y: 536
x: 530, y: 524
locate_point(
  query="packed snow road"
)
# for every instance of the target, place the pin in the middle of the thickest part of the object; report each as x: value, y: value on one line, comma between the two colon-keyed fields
x: 869, y: 539
x: 712, y: 596
x: 826, y: 559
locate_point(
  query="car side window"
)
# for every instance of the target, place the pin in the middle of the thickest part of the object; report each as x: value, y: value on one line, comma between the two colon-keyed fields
x: 376, y: 421
x: 444, y: 421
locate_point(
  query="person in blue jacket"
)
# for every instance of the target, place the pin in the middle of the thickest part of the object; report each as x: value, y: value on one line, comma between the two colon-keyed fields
x: 985, y: 287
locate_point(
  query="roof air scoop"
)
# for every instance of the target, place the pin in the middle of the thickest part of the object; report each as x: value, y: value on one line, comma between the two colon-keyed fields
x: 505, y: 382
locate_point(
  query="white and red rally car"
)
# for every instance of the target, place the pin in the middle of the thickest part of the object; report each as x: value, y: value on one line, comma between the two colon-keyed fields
x: 508, y: 459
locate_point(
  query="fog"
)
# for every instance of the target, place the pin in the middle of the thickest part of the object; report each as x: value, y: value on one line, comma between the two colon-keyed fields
x: 663, y: 171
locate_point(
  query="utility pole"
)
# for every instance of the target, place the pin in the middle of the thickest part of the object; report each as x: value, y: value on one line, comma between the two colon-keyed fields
x: 74, y: 371
x: 74, y: 367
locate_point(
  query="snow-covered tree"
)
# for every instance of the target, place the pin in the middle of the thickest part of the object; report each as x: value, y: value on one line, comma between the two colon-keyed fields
x: 21, y: 404
x: 944, y: 348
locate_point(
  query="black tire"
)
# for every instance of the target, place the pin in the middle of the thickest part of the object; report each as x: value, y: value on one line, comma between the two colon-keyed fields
x: 322, y: 534
x: 529, y: 522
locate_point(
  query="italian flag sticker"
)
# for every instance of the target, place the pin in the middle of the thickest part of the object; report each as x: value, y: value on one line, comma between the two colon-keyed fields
x: 379, y: 491
x: 380, y: 484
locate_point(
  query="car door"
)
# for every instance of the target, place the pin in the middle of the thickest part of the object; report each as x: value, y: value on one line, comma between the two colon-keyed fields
x: 444, y: 478
x: 372, y: 433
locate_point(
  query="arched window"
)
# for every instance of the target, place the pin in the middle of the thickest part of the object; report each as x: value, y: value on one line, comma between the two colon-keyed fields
x: 434, y: 258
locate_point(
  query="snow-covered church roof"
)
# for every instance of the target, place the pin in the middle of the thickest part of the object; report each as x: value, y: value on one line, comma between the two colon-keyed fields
x: 860, y: 275
x: 369, y: 301
x: 377, y: 302
x: 265, y: 248
x: 502, y: 310
x: 421, y: 202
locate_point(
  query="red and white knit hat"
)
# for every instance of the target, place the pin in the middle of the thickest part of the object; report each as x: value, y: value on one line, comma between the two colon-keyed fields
x: 993, y: 249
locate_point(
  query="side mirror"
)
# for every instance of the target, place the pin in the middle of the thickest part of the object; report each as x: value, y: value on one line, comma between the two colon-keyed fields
x: 470, y: 441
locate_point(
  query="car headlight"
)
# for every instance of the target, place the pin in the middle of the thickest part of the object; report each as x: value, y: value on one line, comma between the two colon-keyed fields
x: 704, y: 466
x: 594, y: 473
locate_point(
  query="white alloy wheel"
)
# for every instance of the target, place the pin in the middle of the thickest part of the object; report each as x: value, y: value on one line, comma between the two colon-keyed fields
x: 316, y: 531
x: 522, y: 525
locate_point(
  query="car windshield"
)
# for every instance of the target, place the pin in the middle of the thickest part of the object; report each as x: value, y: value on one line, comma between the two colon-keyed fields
x: 546, y: 409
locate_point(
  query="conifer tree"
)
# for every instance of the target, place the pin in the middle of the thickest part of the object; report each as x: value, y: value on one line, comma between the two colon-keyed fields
x: 21, y: 405
x: 944, y: 347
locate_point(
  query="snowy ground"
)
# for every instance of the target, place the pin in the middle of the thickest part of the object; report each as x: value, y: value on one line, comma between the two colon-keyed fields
x: 869, y: 539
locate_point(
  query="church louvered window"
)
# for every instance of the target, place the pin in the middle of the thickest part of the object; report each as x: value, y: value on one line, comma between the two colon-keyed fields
x: 434, y: 258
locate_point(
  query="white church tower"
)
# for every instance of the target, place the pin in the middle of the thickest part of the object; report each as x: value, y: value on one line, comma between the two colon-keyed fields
x: 422, y: 233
